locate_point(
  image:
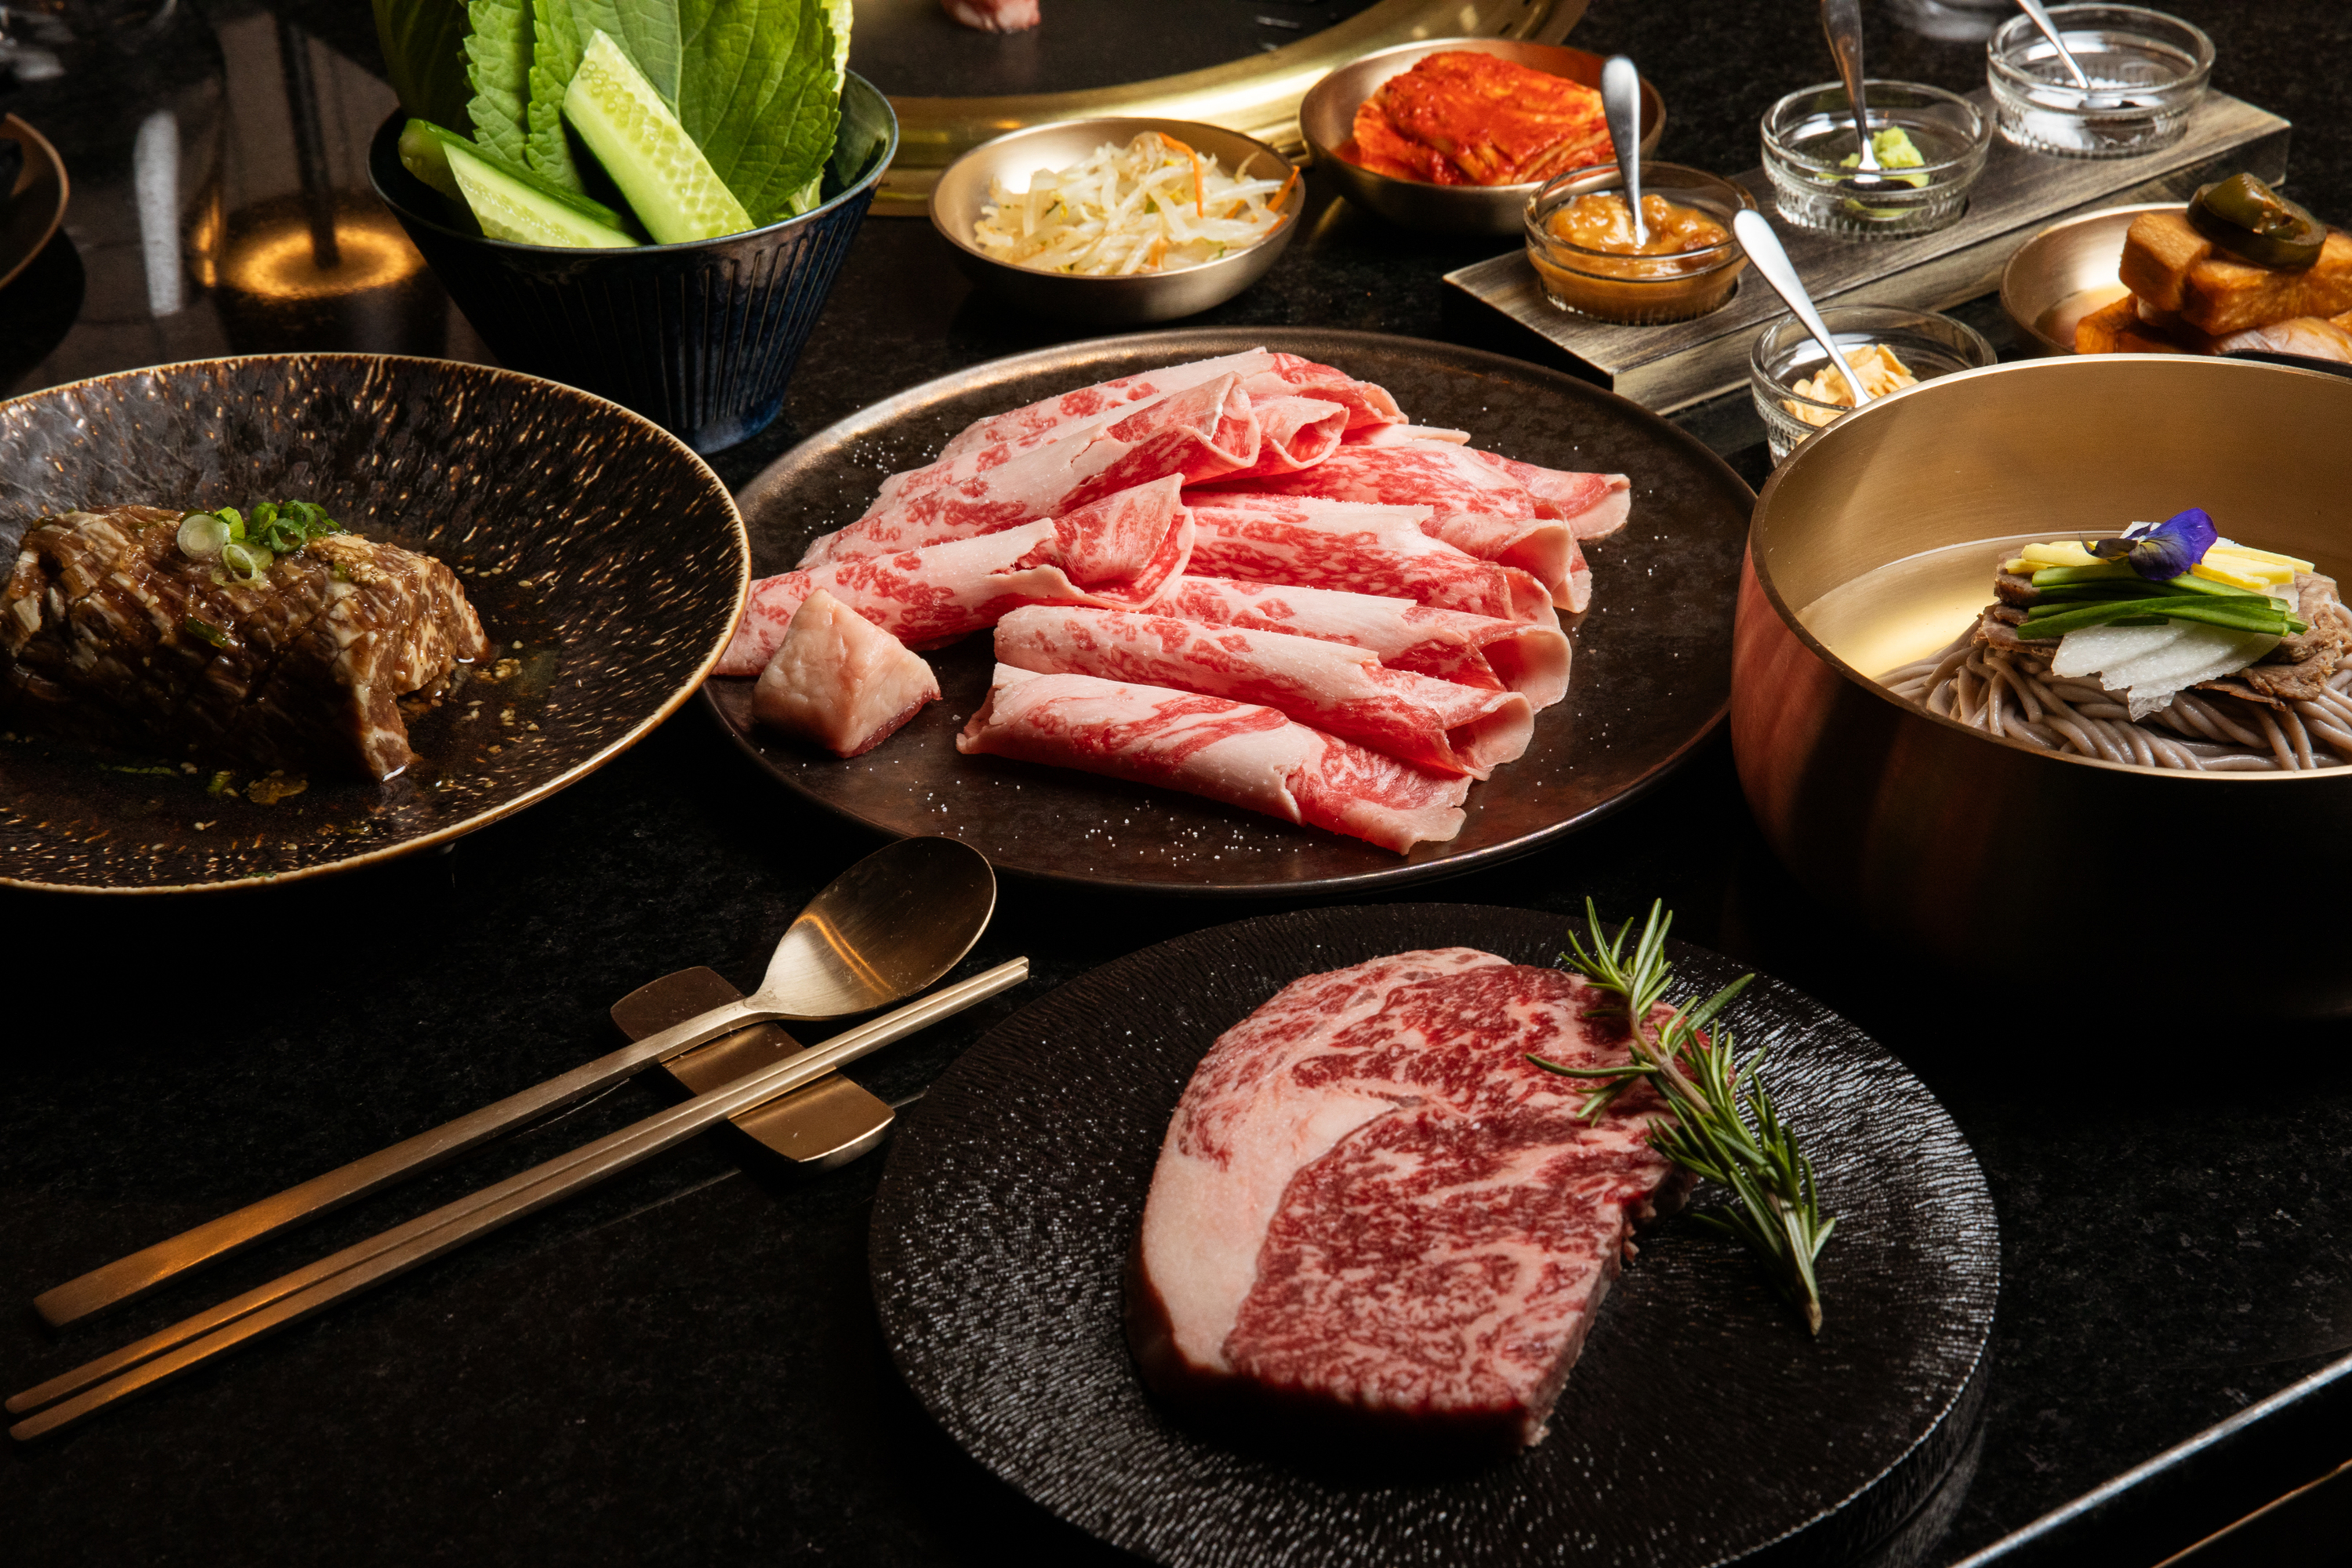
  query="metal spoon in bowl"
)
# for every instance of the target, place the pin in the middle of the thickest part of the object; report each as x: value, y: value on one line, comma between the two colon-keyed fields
x: 881, y: 931
x: 1764, y: 250
x: 1842, y: 22
x: 2092, y: 97
x: 1620, y: 101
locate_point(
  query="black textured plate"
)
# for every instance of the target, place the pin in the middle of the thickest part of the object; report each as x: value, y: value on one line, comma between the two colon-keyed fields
x: 1700, y: 1427
x: 605, y: 558
x: 1652, y: 675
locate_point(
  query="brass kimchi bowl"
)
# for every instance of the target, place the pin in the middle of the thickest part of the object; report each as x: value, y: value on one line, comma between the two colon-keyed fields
x: 1327, y: 118
x: 1138, y: 298
x: 1933, y: 834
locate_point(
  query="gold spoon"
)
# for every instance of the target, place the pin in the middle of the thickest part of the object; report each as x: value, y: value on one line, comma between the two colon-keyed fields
x: 881, y: 931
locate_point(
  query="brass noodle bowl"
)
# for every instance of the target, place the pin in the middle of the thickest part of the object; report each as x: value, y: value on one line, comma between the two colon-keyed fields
x: 1989, y: 853
x: 1258, y: 96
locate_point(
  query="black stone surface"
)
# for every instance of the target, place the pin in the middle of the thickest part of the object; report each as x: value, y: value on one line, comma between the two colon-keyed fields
x: 1003, y: 1228
x: 684, y: 1367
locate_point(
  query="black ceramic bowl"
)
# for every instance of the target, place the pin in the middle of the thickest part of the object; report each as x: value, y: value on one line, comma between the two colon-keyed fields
x: 700, y: 338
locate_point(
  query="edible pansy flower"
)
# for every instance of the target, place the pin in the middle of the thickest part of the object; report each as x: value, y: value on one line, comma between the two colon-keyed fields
x: 2161, y: 552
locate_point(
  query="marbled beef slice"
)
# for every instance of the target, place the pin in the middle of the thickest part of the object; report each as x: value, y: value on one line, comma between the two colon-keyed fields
x: 1372, y: 1216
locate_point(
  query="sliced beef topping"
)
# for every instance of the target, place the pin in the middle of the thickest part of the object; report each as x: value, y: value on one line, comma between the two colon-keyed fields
x: 2014, y: 588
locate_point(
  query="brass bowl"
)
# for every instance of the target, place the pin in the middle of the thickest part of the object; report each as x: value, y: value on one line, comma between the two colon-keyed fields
x: 1933, y: 833
x: 1326, y: 117
x: 2066, y: 272
x: 1145, y: 297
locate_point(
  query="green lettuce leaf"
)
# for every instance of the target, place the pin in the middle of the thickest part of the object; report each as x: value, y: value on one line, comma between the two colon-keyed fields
x: 424, y: 44
x: 554, y: 56
x: 760, y: 96
x: 650, y: 32
x: 497, y: 63
x: 837, y: 18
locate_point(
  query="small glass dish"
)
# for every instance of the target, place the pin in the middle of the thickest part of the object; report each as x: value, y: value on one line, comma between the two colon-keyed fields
x: 2146, y: 69
x: 1638, y: 291
x: 1784, y: 354
x: 1809, y: 134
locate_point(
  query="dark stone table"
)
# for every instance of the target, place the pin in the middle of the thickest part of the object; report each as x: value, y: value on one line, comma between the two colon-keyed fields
x: 684, y: 1367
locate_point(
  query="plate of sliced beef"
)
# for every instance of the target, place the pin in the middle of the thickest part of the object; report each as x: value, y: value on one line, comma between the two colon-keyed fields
x: 282, y: 615
x: 1267, y: 1244
x: 1229, y: 612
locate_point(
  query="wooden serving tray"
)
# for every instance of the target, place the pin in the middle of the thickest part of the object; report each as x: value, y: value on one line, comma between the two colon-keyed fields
x: 2020, y: 193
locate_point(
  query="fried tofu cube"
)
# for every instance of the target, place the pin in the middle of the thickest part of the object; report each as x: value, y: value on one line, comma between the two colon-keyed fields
x: 2158, y: 250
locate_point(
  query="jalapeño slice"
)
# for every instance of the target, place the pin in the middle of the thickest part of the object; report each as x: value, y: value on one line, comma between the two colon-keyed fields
x: 2254, y: 223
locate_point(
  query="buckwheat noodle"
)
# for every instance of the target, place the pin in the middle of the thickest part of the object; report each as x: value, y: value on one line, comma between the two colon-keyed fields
x: 2014, y: 695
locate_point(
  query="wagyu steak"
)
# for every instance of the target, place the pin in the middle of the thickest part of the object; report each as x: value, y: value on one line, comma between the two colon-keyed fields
x: 1373, y: 1213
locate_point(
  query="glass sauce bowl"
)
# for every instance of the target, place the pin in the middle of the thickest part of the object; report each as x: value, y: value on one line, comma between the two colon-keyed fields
x: 1637, y: 289
x: 1810, y: 134
x: 2146, y: 69
x: 1784, y: 354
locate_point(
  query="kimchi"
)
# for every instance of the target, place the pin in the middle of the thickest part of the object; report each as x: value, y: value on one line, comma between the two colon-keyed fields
x: 1461, y: 117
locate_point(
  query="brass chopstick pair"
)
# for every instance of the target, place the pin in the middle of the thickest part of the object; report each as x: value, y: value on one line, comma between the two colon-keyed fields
x: 163, y: 1355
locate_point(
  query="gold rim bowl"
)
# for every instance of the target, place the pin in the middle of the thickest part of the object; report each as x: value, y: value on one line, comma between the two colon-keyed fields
x: 1145, y: 297
x: 1990, y: 855
x: 1327, y: 118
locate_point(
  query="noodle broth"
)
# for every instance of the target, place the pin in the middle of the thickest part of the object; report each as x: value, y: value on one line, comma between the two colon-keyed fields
x: 1907, y: 609
x: 1907, y: 626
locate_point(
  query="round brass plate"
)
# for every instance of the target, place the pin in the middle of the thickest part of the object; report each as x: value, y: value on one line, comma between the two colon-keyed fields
x: 2071, y: 261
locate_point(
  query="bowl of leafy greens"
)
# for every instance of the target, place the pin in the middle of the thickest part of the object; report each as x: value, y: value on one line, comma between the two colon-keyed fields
x: 652, y: 211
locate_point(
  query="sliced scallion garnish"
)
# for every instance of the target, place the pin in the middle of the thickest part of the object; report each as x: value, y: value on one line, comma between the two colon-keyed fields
x: 2093, y: 582
x: 2247, y: 615
x: 204, y: 631
x: 248, y: 561
x: 202, y: 535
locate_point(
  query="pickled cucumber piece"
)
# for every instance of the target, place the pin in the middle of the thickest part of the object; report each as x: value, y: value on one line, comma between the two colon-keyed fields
x: 670, y: 185
x: 509, y: 208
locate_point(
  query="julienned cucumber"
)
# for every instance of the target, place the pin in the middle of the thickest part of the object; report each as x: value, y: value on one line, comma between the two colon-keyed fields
x: 508, y: 208
x: 425, y: 153
x: 670, y: 185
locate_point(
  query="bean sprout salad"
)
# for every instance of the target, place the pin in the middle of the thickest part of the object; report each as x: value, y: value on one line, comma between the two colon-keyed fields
x: 1152, y: 205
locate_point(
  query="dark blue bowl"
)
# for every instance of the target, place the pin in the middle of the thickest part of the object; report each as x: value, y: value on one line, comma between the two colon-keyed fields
x: 700, y: 338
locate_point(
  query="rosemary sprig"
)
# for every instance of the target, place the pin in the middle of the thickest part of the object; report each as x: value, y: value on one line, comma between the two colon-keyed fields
x: 1779, y: 1215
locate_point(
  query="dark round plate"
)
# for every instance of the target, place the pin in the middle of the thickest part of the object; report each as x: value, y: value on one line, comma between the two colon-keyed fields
x: 1652, y: 675
x: 1701, y: 1426
x: 605, y: 558
x: 35, y: 204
